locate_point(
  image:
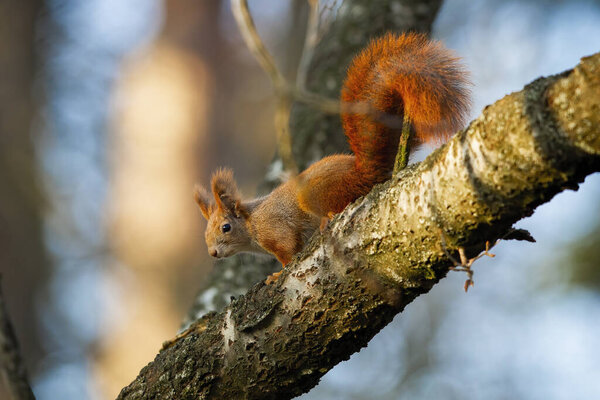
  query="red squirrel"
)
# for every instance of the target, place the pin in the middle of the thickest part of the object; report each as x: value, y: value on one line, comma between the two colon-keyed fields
x: 394, y: 75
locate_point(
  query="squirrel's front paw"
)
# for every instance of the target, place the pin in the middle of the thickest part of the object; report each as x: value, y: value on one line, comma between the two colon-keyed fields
x: 273, y: 277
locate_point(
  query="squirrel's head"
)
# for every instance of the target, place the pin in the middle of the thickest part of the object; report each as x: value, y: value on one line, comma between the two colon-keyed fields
x: 226, y: 231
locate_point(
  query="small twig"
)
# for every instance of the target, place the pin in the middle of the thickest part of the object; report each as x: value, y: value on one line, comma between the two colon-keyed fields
x: 310, y: 42
x: 404, y: 145
x: 324, y: 104
x: 465, y: 264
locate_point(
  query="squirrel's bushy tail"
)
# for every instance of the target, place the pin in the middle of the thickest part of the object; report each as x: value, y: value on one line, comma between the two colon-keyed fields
x: 398, y: 74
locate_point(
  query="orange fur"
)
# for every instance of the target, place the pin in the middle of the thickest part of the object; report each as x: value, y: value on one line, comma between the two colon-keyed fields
x: 394, y: 75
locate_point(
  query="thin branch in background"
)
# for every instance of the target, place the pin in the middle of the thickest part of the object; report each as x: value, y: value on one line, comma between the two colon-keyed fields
x: 465, y: 263
x: 284, y: 136
x: 253, y: 41
x: 283, y: 93
x: 11, y: 364
x: 328, y: 106
x: 310, y: 42
x: 326, y: 16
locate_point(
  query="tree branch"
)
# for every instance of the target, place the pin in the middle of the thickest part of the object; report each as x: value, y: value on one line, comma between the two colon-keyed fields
x: 384, y: 250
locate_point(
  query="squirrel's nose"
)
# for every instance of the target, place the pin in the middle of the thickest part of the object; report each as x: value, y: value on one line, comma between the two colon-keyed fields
x: 213, y: 252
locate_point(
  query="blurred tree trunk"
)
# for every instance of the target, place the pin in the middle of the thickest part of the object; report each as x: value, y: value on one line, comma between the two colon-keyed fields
x: 23, y: 262
x: 162, y: 120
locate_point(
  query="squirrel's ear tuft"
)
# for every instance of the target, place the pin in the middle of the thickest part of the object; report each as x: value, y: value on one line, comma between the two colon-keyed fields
x: 204, y: 200
x: 225, y: 190
x: 241, y: 211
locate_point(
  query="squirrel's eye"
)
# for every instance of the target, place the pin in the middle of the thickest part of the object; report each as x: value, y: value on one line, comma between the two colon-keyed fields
x: 226, y: 228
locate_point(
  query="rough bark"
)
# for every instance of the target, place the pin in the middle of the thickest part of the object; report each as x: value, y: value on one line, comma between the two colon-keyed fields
x: 385, y: 249
x: 316, y: 134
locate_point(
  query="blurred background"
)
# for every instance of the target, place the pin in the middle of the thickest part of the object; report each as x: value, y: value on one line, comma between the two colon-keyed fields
x: 110, y: 111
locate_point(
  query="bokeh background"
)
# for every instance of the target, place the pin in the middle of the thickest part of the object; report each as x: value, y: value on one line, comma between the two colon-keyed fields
x: 110, y: 111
